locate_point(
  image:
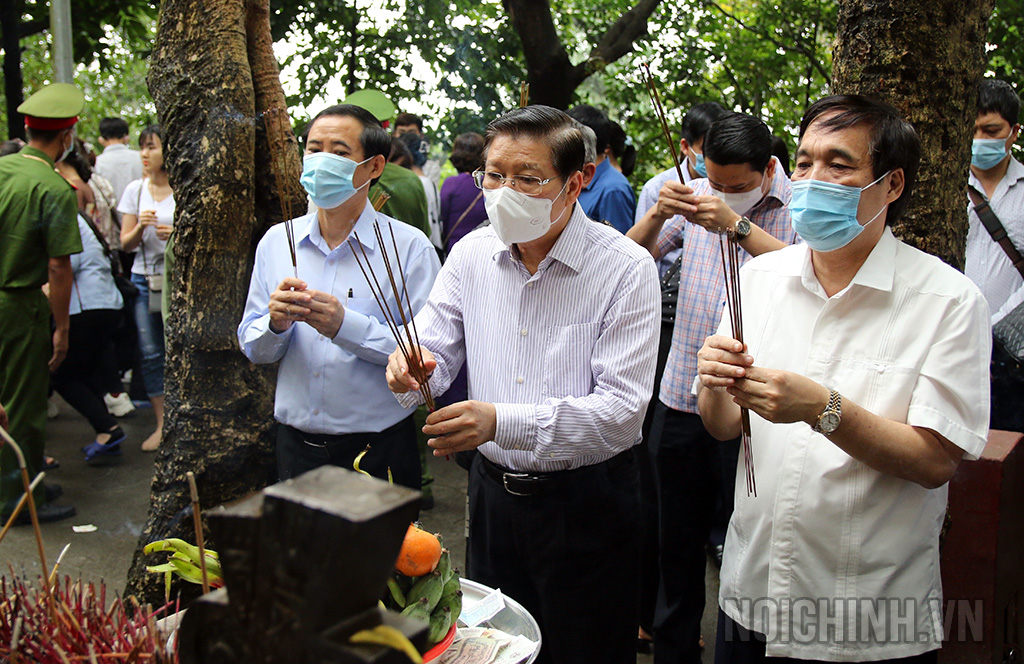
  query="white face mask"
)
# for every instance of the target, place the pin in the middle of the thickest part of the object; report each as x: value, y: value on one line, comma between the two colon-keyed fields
x: 71, y: 146
x: 743, y: 202
x: 517, y: 217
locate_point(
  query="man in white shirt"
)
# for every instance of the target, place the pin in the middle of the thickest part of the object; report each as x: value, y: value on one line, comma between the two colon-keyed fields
x: 117, y: 163
x: 556, y: 316
x: 866, y: 374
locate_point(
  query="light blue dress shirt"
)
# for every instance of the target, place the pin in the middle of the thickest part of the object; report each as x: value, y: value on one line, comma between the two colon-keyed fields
x: 335, y: 386
x: 93, y: 286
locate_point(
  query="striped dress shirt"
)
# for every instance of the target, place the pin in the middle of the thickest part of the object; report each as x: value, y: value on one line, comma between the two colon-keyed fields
x: 702, y: 283
x: 566, y: 355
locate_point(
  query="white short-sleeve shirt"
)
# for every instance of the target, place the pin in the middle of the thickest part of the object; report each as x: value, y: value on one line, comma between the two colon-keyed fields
x: 833, y: 560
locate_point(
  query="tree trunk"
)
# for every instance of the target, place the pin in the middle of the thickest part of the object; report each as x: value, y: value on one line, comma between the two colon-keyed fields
x: 212, y: 71
x: 926, y: 58
x: 10, y: 25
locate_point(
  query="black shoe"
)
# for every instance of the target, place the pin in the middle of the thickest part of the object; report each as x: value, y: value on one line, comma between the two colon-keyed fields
x: 46, y: 513
x: 427, y: 502
x: 52, y: 491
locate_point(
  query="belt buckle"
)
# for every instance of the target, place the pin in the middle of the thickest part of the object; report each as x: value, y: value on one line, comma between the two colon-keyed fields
x: 515, y: 476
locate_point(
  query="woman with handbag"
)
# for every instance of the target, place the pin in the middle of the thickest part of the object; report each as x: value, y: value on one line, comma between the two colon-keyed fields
x: 147, y: 207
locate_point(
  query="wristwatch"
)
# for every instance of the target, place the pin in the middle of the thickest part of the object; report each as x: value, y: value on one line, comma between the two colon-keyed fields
x: 830, y: 418
x: 740, y: 231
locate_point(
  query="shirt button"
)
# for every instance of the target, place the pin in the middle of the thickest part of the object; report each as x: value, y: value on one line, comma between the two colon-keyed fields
x: 523, y: 332
x: 529, y: 285
x: 519, y: 380
x: 321, y: 337
x: 316, y: 412
x: 316, y: 374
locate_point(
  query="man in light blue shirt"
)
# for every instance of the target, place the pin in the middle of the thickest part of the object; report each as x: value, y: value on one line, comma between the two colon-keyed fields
x: 325, y: 326
x: 608, y: 197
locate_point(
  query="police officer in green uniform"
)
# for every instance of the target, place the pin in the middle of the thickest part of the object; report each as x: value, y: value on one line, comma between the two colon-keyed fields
x: 38, y: 234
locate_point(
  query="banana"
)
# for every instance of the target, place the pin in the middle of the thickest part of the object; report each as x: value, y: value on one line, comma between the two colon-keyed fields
x: 440, y: 623
x: 396, y: 593
x: 359, y: 458
x: 184, y: 551
x: 419, y: 610
x: 444, y: 566
x: 452, y: 603
x: 451, y: 587
x: 429, y: 587
x: 385, y: 635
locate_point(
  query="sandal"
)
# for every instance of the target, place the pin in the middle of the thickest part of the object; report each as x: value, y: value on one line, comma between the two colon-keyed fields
x: 95, y: 450
x: 49, y: 463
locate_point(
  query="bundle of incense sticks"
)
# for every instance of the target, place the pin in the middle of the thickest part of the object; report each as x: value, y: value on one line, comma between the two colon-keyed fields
x: 730, y: 265
x: 659, y: 110
x: 524, y: 94
x: 411, y: 338
x: 275, y: 120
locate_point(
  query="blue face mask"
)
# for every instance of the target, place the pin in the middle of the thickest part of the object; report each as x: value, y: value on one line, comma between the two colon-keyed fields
x: 698, y: 164
x: 824, y: 214
x: 327, y: 178
x: 986, y: 153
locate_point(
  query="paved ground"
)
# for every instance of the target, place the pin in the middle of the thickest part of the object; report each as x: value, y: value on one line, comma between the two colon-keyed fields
x: 115, y: 499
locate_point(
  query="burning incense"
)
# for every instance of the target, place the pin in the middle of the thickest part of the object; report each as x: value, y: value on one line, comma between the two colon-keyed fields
x: 411, y: 337
x: 731, y: 266
x: 659, y: 110
x: 197, y: 521
x: 275, y: 120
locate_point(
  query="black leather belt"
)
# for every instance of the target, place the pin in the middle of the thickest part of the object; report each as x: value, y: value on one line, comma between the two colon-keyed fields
x: 520, y: 483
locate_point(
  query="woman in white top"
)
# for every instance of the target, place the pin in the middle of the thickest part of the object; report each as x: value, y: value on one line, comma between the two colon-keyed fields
x: 147, y: 207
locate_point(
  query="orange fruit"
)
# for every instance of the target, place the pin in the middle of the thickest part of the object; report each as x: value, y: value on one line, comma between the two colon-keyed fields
x: 420, y: 553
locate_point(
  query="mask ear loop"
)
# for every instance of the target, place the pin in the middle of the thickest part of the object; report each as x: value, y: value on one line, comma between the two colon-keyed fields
x: 560, y: 192
x: 884, y: 207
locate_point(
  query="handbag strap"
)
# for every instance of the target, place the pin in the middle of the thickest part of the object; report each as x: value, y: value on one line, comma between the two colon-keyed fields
x: 995, y: 227
x: 115, y: 265
x: 461, y: 217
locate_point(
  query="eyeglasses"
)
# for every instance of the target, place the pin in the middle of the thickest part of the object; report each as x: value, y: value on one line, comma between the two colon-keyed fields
x: 526, y: 184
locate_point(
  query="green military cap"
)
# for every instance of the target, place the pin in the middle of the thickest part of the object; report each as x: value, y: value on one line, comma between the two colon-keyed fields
x: 375, y: 101
x: 55, y: 106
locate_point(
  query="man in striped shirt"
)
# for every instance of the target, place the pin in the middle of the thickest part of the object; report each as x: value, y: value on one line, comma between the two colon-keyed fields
x: 745, y: 195
x: 557, y: 317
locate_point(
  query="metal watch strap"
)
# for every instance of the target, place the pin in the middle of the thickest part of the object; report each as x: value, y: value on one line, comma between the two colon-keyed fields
x: 834, y: 405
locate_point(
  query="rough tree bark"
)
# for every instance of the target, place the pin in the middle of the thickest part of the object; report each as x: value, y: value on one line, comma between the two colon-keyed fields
x: 212, y: 76
x: 552, y: 77
x: 925, y: 57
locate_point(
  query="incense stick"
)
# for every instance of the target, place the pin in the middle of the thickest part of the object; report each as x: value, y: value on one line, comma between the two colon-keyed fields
x: 274, y: 119
x: 659, y: 111
x: 31, y: 501
x: 197, y: 521
x: 524, y: 94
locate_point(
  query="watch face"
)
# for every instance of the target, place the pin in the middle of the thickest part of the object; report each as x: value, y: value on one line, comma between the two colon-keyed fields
x: 743, y: 228
x: 829, y: 421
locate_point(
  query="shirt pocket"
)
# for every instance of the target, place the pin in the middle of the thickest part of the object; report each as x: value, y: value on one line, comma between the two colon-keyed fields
x: 883, y: 387
x: 364, y: 305
x: 568, y: 354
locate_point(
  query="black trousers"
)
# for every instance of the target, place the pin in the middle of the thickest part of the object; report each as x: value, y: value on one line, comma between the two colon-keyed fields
x: 687, y: 473
x: 735, y: 644
x: 394, y: 448
x: 568, y: 554
x: 89, y: 370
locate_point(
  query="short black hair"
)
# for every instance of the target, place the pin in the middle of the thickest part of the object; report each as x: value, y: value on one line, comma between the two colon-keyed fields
x: 158, y: 131
x: 44, y: 136
x: 893, y: 144
x: 547, y: 124
x: 375, y: 140
x: 113, y: 128
x: 738, y: 138
x: 995, y: 96
x: 400, y: 155
x: 10, y: 147
x: 406, y: 119
x: 467, y: 152
x: 597, y: 121
x: 699, y: 119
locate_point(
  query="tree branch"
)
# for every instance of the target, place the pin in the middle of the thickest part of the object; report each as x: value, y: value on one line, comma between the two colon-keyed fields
x: 811, y: 56
x: 542, y: 47
x: 618, y: 39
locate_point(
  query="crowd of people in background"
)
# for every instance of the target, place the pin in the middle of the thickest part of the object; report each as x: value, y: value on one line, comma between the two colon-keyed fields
x: 573, y: 330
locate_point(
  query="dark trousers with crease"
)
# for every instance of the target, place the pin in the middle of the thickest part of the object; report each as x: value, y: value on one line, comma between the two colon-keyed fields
x: 687, y: 474
x: 394, y: 448
x: 568, y: 555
